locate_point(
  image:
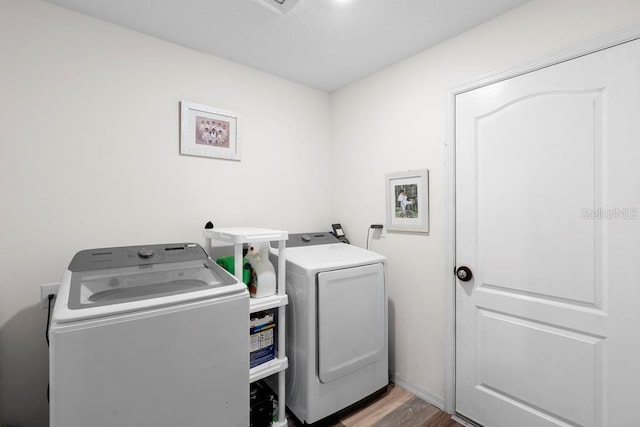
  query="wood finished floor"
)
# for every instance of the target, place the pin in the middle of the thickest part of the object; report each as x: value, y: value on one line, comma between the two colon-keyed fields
x: 396, y: 407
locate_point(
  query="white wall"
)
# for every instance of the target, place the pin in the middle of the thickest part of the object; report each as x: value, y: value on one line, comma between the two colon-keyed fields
x: 89, y: 157
x: 395, y: 120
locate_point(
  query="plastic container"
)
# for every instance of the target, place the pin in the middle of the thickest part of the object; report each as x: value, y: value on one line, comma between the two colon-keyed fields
x: 227, y: 262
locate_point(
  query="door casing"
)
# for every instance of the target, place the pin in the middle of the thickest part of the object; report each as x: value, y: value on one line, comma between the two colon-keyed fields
x: 592, y: 46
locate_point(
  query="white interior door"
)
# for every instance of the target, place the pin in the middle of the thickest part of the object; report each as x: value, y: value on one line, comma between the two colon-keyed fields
x: 547, y: 219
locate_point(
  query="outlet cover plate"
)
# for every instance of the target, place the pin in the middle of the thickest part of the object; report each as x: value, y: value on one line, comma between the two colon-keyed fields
x: 45, y: 290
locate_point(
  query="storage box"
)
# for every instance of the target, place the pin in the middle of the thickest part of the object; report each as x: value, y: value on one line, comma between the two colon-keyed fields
x: 262, y: 337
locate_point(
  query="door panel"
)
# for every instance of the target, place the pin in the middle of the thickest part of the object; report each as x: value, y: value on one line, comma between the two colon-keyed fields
x: 547, y: 218
x: 533, y: 154
x: 351, y: 327
x: 548, y: 352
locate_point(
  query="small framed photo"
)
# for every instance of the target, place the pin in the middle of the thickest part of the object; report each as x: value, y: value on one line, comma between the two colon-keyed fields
x: 408, y: 201
x: 209, y: 132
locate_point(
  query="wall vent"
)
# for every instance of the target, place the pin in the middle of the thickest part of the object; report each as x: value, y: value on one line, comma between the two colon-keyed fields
x: 280, y: 6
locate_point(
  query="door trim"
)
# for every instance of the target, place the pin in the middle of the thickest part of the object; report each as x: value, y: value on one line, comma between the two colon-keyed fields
x: 592, y: 46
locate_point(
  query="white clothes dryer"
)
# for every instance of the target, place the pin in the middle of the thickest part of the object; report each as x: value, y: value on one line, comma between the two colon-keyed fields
x: 149, y: 336
x: 337, y: 325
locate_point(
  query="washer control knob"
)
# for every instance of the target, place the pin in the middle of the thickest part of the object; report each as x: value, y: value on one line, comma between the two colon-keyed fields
x: 146, y: 253
x: 306, y: 238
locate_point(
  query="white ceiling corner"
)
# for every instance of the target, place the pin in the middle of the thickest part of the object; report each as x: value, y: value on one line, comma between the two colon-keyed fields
x: 280, y: 6
x: 325, y: 44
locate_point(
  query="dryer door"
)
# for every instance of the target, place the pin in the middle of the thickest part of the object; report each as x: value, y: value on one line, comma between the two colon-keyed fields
x: 352, y: 325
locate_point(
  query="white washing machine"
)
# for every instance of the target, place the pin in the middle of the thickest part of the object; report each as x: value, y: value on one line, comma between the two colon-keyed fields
x: 149, y: 336
x: 336, y: 325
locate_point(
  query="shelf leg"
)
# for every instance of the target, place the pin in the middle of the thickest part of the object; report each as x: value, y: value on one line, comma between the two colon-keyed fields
x: 282, y: 417
x: 282, y: 262
x: 237, y: 262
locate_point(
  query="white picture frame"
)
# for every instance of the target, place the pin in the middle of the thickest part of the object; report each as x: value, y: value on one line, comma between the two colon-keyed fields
x: 407, y: 201
x: 209, y: 132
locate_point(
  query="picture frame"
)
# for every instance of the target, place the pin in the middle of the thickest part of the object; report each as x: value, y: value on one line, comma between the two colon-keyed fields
x: 209, y: 132
x: 407, y: 201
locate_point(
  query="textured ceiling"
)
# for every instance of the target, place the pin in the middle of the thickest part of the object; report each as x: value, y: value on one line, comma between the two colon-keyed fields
x: 325, y: 44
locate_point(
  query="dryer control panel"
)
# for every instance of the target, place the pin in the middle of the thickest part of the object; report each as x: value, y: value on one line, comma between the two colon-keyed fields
x: 311, y: 239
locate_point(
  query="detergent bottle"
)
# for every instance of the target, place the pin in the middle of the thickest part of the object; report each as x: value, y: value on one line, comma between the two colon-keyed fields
x: 263, y: 276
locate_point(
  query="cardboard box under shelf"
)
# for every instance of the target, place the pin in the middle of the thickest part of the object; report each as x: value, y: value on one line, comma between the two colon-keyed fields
x: 262, y: 337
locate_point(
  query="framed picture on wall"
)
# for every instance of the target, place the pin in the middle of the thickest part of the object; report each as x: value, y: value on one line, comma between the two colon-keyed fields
x: 408, y: 201
x: 209, y: 132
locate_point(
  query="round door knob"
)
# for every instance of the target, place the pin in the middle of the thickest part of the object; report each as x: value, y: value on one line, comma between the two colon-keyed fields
x: 464, y: 274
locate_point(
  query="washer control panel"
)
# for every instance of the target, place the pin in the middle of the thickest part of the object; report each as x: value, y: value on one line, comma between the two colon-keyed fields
x: 129, y: 256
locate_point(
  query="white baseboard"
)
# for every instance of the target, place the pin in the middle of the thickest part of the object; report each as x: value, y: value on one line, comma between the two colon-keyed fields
x: 436, y: 401
x: 462, y: 421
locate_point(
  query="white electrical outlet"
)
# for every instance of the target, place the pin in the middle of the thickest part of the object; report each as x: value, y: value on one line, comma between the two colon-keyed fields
x: 45, y: 291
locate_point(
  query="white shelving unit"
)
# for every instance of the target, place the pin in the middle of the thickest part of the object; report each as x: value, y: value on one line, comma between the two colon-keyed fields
x: 238, y: 236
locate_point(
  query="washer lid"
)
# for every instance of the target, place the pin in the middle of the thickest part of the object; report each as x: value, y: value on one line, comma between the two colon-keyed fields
x: 121, y: 286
